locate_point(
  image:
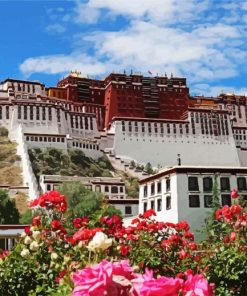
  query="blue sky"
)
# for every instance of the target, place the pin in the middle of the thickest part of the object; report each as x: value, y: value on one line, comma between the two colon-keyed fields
x: 202, y: 40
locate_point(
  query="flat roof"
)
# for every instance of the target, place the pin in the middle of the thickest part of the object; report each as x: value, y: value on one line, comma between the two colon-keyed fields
x: 195, y: 169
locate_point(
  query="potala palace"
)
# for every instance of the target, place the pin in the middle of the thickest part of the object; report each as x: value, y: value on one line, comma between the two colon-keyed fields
x: 135, y: 118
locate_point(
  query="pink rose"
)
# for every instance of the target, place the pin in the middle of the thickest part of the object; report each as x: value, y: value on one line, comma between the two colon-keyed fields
x: 196, y: 285
x: 93, y: 281
x: 147, y: 285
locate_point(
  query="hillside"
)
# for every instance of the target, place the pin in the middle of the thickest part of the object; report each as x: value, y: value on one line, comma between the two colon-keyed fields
x: 53, y: 161
x: 10, y: 172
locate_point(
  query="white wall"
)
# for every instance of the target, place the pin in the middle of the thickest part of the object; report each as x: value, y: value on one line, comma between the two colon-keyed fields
x: 162, y: 149
x: 27, y: 171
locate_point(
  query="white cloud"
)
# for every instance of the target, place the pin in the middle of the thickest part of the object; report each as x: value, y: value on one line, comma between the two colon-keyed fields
x: 55, y: 64
x: 207, y: 90
x: 55, y: 28
x: 168, y: 11
x: 160, y: 35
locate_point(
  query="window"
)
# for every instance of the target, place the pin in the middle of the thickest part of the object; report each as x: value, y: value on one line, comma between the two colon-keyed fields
x: 97, y: 188
x: 1, y: 112
x: 31, y: 112
x: 114, y: 189
x: 194, y: 201
x: 145, y: 206
x: 152, y: 189
x: 226, y: 200
x: 207, y: 184
x: 49, y: 114
x: 130, y: 127
x: 143, y: 127
x: 91, y: 123
x: 25, y: 112
x: 159, y: 187
x: 7, y: 112
x: 37, y: 113
x: 86, y: 123
x: 48, y: 188
x: 123, y: 126
x: 174, y: 128
x: 168, y: 185
x: 168, y: 203
x: 145, y: 191
x: 152, y: 204
x: 242, y: 186
x: 121, y: 189
x: 106, y: 189
x: 225, y: 184
x: 208, y: 201
x: 193, y: 184
x: 136, y: 127
x: 168, y: 128
x: 128, y: 210
x: 159, y: 205
x: 43, y: 113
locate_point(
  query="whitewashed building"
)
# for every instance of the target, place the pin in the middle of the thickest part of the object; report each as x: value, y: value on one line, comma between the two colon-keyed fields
x: 185, y: 192
x: 112, y: 188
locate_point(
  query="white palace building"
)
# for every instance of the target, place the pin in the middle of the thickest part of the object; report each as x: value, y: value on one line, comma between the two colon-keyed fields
x: 133, y: 118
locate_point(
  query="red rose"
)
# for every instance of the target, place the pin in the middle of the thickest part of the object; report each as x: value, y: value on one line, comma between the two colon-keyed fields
x: 55, y: 224
x: 36, y: 221
x: 234, y: 193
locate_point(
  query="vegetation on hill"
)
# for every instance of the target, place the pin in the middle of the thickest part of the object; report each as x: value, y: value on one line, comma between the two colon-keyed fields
x: 10, y: 173
x: 8, y: 211
x: 53, y: 161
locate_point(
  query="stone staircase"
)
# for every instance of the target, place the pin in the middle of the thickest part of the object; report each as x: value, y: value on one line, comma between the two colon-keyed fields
x: 124, y: 165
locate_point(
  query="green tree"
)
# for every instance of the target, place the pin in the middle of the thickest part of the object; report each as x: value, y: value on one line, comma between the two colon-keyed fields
x: 213, y: 226
x: 26, y: 218
x: 8, y: 211
x: 4, y: 131
x: 132, y: 164
x: 81, y: 201
x: 148, y: 168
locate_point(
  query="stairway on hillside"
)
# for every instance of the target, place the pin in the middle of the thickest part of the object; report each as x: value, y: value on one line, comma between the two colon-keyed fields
x: 124, y: 165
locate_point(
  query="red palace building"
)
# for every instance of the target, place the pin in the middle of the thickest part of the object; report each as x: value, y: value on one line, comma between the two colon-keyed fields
x: 121, y: 95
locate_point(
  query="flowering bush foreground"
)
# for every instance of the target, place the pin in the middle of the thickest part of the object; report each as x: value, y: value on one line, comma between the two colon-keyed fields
x: 56, y: 256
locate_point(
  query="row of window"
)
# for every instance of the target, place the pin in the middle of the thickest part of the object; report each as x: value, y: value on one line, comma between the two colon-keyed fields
x: 40, y: 113
x: 154, y: 128
x: 195, y: 202
x: 98, y: 188
x: 81, y: 122
x: 193, y: 184
x: 156, y: 205
x: 156, y: 188
x: 45, y: 139
x: 84, y: 145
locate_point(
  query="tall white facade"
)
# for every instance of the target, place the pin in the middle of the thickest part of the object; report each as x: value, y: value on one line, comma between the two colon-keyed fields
x: 185, y: 193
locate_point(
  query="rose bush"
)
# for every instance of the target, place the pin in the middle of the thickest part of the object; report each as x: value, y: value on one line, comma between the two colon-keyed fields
x: 55, y: 256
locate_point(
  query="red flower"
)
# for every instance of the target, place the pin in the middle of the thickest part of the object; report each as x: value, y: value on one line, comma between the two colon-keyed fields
x: 55, y: 224
x: 233, y: 236
x: 183, y: 225
x: 77, y: 222
x: 27, y: 230
x: 149, y: 213
x: 124, y: 250
x: 36, y: 221
x: 234, y: 193
x: 51, y: 199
